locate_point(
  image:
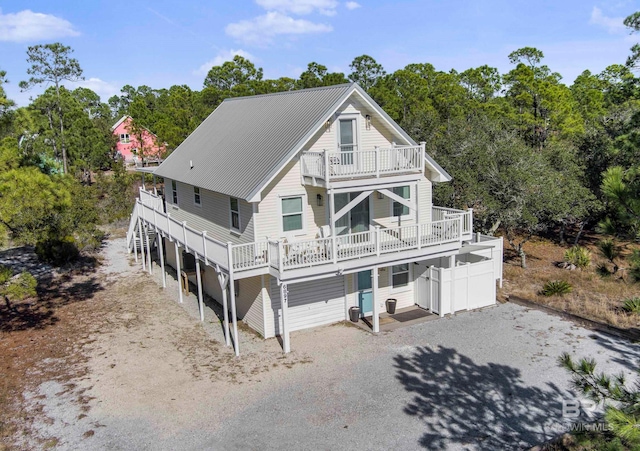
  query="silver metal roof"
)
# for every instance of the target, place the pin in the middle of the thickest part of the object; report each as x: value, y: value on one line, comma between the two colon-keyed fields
x: 247, y: 140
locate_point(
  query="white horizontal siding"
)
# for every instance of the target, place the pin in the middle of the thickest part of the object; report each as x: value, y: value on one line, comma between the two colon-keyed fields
x: 249, y: 303
x: 268, y: 219
x: 310, y: 304
x: 213, y: 215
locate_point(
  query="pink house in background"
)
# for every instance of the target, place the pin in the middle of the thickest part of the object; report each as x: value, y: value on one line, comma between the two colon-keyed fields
x: 128, y: 146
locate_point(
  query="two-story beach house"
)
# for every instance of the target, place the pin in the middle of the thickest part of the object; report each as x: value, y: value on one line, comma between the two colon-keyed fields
x: 300, y: 205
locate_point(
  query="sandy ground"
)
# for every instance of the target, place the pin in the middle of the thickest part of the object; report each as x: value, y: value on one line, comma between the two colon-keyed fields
x: 154, y: 377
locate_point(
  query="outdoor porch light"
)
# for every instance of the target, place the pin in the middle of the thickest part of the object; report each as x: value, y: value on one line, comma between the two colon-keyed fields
x: 319, y: 200
x: 380, y: 195
x: 368, y: 121
x: 327, y: 125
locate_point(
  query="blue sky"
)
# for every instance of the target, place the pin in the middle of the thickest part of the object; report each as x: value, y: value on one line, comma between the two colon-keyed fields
x: 161, y: 43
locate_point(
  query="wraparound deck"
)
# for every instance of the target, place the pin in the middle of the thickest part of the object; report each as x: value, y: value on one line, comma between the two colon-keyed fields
x: 287, y: 260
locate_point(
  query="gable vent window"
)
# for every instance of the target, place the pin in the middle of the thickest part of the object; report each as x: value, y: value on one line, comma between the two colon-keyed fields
x: 196, y: 196
x: 174, y: 192
x: 235, y: 213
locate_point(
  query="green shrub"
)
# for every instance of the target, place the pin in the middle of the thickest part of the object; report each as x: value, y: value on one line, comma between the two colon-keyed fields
x: 634, y: 265
x: 579, y: 256
x: 556, y: 288
x: 22, y: 287
x: 5, y: 274
x: 58, y: 251
x: 632, y: 305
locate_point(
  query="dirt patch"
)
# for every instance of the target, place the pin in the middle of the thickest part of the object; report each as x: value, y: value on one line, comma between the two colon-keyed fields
x: 593, y: 297
x: 110, y: 341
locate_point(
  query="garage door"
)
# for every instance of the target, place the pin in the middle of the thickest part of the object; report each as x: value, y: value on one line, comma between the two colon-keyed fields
x: 310, y: 303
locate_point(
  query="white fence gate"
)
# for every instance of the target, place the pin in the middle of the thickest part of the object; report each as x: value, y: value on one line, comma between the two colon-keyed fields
x: 465, y: 287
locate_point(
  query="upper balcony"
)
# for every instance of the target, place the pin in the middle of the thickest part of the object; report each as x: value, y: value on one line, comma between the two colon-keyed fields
x: 329, y: 168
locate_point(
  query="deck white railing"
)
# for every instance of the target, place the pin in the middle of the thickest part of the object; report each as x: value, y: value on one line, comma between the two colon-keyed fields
x: 280, y: 256
x: 440, y: 213
x: 336, y: 165
x: 378, y: 241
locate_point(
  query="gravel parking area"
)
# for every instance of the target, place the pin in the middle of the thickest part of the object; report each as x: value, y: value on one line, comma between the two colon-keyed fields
x: 479, y: 380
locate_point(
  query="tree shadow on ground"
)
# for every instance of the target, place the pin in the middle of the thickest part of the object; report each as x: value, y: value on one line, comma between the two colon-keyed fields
x: 627, y: 353
x: 477, y: 406
x: 76, y: 283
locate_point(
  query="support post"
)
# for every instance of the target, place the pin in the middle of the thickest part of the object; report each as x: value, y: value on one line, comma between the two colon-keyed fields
x: 377, y: 151
x: 160, y: 239
x: 284, y: 305
x: 184, y: 234
x: 325, y: 155
x: 334, y: 243
x: 135, y: 244
x: 140, y: 233
x: 146, y: 237
x: 178, y: 275
x: 199, y: 282
x: 232, y: 291
x: 376, y: 234
x: 376, y: 301
x: 224, y: 283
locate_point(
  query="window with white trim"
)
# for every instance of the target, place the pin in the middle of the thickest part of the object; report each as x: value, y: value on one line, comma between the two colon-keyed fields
x: 400, y: 276
x: 400, y: 210
x: 124, y: 138
x: 174, y: 192
x: 292, y: 213
x: 196, y: 196
x: 234, y: 207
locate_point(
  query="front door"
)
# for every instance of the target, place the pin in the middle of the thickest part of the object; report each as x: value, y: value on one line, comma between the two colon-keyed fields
x: 365, y: 293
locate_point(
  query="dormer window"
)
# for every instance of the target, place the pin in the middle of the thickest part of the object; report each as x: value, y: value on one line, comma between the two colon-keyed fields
x: 124, y: 138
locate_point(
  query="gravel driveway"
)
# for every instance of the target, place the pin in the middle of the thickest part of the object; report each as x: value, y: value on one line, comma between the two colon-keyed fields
x: 480, y: 380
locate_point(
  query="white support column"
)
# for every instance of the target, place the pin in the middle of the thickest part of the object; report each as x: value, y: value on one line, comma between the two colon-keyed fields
x: 376, y: 301
x: 135, y: 245
x: 332, y: 223
x: 146, y: 237
x: 234, y: 315
x: 140, y: 233
x: 178, y: 274
x: 284, y: 305
x: 223, y: 279
x: 160, y: 240
x: 232, y: 292
x: 199, y: 283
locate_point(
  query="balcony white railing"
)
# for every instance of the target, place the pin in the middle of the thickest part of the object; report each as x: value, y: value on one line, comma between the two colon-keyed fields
x: 440, y: 213
x: 280, y: 256
x: 336, y: 165
x: 378, y: 241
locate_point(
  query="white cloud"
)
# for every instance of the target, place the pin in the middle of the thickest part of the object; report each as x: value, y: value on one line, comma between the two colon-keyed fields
x: 103, y: 88
x: 221, y: 57
x: 614, y: 25
x: 261, y: 30
x: 25, y: 26
x: 300, y: 7
x: 352, y: 5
